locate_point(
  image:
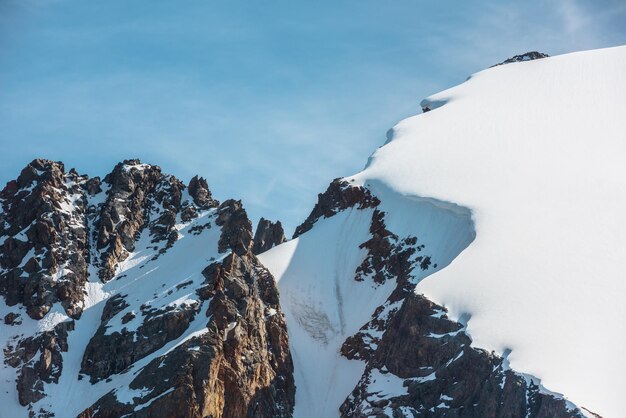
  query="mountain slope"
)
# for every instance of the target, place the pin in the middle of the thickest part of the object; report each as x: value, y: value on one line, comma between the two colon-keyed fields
x: 528, y: 158
x: 135, y: 296
x: 536, y: 150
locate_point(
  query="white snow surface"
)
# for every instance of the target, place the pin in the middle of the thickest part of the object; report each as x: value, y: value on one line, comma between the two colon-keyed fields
x: 537, y: 151
x: 323, y: 305
x: 519, y: 176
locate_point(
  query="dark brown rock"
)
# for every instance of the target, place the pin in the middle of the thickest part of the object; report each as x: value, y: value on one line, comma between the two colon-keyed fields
x: 444, y: 376
x: 528, y: 56
x: 93, y: 186
x: 339, y: 196
x: 411, y: 340
x: 188, y: 214
x: 124, y: 212
x: 108, y: 354
x: 268, y: 234
x: 236, y: 227
x: 55, y: 224
x: 199, y: 191
x: 12, y: 318
x: 141, y: 197
x: 128, y: 316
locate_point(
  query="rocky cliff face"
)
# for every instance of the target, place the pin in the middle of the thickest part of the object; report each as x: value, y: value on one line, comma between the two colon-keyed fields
x: 101, y: 293
x: 268, y: 234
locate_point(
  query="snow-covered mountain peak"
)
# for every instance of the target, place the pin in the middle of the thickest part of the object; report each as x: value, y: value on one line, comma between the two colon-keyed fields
x: 472, y: 269
x: 536, y: 152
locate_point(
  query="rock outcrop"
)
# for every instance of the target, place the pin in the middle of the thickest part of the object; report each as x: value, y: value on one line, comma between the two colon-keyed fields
x: 199, y: 190
x: 268, y: 235
x: 39, y: 359
x: 236, y: 228
x: 528, y: 56
x: 111, y: 353
x: 430, y: 360
x: 339, y: 195
x: 124, y: 213
x: 140, y: 196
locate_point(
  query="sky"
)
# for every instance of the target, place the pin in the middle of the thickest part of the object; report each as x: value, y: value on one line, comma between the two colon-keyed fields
x: 270, y: 100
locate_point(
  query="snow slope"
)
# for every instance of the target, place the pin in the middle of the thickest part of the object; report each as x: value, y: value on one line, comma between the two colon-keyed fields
x: 323, y: 305
x: 537, y: 151
x: 528, y: 161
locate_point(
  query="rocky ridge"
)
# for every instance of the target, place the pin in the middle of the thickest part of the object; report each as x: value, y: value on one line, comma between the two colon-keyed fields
x: 81, y: 256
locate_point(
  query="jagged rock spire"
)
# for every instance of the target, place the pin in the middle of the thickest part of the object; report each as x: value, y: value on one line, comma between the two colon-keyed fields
x: 268, y: 234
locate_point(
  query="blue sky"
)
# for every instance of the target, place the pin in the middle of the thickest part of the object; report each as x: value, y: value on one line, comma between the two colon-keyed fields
x: 268, y: 100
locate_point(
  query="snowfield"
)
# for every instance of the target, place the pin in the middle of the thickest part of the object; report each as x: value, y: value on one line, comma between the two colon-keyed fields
x: 323, y: 305
x: 519, y: 173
